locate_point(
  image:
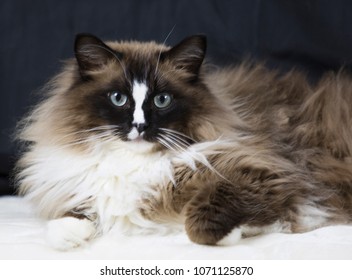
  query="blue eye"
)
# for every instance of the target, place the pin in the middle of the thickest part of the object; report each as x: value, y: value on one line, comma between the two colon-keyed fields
x: 162, y: 100
x: 118, y: 99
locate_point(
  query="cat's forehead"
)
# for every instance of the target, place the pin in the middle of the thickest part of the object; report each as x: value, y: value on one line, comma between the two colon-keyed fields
x: 134, y: 50
x: 138, y: 58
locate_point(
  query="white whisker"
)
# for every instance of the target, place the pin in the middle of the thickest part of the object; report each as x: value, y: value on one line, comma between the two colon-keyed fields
x: 178, y: 133
x: 91, y: 139
x: 159, y: 56
x: 173, y: 144
x: 177, y: 138
x: 97, y: 135
x: 87, y: 131
x: 165, y: 144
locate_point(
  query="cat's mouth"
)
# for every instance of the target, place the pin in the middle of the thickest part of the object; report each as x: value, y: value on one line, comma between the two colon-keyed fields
x: 138, y: 135
x: 135, y: 135
x: 139, y: 138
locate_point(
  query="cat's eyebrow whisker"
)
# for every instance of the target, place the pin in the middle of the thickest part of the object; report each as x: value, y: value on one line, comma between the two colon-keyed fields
x: 160, y: 76
x: 111, y: 52
x: 159, y: 56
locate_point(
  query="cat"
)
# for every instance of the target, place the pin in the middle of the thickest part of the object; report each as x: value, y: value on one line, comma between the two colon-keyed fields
x: 147, y: 138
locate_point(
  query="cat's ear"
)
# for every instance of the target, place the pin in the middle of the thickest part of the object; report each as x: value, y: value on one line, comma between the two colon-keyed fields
x: 91, y: 53
x: 188, y: 54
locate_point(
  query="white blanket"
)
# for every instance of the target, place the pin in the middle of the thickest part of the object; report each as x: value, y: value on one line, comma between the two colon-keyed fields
x: 22, y: 236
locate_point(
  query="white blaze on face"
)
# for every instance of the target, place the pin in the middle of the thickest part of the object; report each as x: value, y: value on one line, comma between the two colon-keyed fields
x: 139, y: 94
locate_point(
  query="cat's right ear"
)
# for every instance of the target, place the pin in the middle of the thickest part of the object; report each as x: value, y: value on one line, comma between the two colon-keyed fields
x: 91, y: 53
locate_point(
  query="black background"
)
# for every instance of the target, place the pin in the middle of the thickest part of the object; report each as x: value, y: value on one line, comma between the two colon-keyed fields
x: 36, y: 36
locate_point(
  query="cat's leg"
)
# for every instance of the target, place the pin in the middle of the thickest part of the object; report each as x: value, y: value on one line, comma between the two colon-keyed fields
x: 208, y: 216
x: 217, y: 214
x: 69, y: 232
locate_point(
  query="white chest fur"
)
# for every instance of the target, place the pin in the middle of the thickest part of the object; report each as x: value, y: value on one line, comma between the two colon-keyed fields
x: 125, y: 178
x: 107, y: 183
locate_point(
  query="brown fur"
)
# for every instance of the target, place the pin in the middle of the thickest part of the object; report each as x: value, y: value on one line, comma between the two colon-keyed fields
x: 288, y: 144
x: 297, y: 151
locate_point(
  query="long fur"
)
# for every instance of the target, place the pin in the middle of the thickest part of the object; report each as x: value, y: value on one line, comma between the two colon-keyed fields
x: 251, y: 150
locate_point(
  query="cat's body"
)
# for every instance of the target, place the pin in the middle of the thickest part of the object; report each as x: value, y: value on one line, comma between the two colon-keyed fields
x: 147, y: 139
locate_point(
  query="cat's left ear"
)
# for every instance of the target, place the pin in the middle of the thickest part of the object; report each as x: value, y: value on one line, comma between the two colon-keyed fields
x: 91, y: 53
x: 188, y: 54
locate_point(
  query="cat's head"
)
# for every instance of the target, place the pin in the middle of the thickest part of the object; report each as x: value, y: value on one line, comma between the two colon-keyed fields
x: 143, y: 94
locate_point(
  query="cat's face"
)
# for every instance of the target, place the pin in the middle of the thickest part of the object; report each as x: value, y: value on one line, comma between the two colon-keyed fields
x: 141, y: 92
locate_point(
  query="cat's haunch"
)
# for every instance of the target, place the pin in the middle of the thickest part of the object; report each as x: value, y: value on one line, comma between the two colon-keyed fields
x: 146, y: 138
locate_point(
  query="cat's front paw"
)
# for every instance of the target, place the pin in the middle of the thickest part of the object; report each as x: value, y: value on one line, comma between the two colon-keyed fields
x: 213, y: 217
x: 69, y: 232
x: 212, y: 232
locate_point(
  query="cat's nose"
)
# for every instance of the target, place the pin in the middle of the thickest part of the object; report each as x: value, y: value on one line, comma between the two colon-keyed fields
x: 140, y: 126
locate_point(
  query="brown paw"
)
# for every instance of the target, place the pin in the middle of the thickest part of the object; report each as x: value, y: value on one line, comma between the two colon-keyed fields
x: 206, y: 229
x: 211, y: 215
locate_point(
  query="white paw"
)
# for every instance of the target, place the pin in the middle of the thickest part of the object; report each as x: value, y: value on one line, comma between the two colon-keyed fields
x: 232, y: 238
x: 69, y: 232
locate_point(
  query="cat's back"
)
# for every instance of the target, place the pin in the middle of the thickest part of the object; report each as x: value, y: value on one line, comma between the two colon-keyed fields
x: 261, y: 97
x: 310, y: 114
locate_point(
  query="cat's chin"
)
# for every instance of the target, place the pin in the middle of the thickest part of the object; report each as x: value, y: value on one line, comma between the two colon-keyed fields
x: 139, y: 145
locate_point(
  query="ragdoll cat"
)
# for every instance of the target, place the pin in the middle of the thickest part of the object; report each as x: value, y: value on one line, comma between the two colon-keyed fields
x: 147, y: 138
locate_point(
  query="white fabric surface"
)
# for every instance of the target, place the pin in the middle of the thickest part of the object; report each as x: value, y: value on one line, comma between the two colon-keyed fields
x: 22, y: 236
